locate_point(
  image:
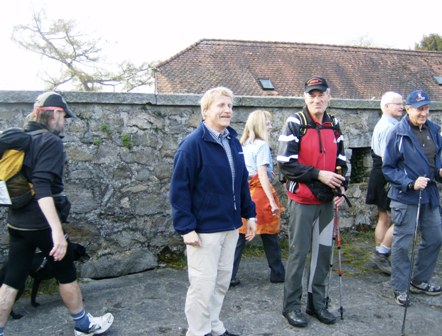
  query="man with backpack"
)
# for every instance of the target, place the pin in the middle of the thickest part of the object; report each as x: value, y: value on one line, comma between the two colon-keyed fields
x: 310, y: 150
x: 37, y: 223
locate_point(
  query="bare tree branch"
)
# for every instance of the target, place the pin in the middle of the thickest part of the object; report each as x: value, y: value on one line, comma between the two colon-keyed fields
x: 79, y: 56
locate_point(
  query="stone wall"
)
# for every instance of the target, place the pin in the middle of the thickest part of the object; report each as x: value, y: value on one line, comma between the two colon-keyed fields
x: 120, y: 151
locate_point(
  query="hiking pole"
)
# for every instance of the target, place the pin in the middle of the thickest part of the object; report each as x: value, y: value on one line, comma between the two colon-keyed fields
x: 327, y: 297
x: 412, y: 261
x: 336, y: 240
x: 338, y: 244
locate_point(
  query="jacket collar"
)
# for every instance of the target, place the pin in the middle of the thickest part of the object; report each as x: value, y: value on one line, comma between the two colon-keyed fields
x: 404, y: 126
x: 33, y: 126
x: 208, y: 137
x: 310, y: 121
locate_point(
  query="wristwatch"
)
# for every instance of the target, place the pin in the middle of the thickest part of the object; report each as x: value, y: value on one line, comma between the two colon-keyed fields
x: 410, y: 186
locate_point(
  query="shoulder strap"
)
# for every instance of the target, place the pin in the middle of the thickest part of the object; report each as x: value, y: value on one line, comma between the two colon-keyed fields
x: 304, y: 125
x: 335, y: 127
x: 303, y: 119
x: 334, y: 121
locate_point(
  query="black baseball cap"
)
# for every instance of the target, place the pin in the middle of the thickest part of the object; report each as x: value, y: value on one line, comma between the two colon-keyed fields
x: 53, y: 99
x: 316, y: 83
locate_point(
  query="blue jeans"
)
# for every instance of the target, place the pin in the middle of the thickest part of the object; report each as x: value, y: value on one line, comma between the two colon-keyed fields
x: 430, y: 227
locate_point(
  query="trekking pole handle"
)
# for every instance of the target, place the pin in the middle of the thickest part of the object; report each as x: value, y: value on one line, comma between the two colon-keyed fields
x: 338, y: 190
x: 339, y: 170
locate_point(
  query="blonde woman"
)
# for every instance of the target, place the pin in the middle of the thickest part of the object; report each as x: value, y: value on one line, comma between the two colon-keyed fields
x: 257, y: 155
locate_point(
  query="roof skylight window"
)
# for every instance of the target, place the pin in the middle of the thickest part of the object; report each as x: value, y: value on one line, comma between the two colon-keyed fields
x: 266, y: 84
x: 438, y: 79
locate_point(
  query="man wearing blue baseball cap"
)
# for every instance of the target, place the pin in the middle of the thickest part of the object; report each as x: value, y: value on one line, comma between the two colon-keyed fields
x: 412, y: 164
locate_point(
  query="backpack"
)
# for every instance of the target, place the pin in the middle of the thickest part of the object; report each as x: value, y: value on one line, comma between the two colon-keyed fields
x: 322, y: 192
x: 304, y: 126
x: 303, y: 129
x: 15, y: 190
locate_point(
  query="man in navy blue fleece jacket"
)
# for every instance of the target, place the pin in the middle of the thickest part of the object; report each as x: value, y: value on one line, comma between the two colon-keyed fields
x: 209, y: 195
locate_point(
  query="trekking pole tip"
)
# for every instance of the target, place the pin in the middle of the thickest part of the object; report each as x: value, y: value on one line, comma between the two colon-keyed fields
x: 341, y: 310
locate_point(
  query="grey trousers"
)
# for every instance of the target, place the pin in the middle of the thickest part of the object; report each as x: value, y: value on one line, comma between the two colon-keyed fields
x: 430, y: 227
x: 310, y: 229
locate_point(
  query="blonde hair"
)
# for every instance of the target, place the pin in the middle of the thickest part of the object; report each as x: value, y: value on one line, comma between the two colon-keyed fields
x: 210, y: 96
x: 256, y: 126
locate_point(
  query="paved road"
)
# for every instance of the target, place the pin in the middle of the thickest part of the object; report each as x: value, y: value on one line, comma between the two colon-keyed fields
x: 151, y: 303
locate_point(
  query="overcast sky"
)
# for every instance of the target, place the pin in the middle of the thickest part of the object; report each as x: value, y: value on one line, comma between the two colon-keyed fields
x: 150, y: 30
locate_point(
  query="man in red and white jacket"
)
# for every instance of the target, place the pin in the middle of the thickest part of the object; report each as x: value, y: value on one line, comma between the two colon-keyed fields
x: 311, y: 147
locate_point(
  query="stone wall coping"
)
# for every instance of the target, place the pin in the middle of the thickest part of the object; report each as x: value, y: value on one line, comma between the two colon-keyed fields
x: 73, y: 97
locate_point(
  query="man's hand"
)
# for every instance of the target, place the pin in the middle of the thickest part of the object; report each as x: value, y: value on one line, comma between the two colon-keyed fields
x: 192, y: 239
x: 60, y: 245
x: 330, y: 179
x: 59, y: 248
x: 338, y: 200
x: 250, y: 228
x: 421, y: 183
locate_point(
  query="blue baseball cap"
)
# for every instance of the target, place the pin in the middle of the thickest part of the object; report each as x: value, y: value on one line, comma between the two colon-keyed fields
x: 417, y: 98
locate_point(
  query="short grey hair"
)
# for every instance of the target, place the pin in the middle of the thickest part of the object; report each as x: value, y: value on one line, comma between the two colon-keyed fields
x: 388, y: 97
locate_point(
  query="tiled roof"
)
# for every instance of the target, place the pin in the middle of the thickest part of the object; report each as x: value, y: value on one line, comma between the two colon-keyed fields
x: 351, y: 72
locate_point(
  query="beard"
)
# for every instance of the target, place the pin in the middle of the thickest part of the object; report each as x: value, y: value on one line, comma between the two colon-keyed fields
x: 58, y: 128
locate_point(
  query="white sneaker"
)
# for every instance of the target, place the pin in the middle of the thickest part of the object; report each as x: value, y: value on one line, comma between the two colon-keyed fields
x: 97, y: 326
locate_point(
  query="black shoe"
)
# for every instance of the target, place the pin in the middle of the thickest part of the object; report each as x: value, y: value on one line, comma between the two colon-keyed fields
x: 226, y: 333
x: 234, y: 282
x: 323, y: 315
x: 277, y: 277
x: 296, y: 318
x: 280, y: 280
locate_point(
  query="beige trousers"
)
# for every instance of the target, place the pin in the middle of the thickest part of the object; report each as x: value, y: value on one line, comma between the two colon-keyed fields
x: 210, y: 269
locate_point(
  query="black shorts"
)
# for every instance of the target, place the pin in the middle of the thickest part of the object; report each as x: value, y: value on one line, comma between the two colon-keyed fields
x: 377, y: 190
x: 22, y: 247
